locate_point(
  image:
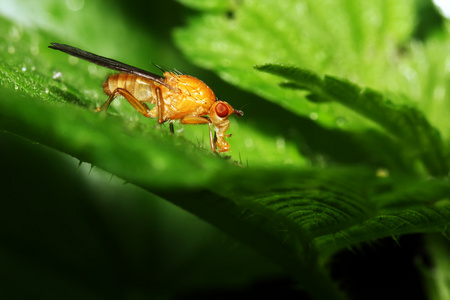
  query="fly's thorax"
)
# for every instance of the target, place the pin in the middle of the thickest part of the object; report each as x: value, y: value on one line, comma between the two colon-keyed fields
x: 187, y: 89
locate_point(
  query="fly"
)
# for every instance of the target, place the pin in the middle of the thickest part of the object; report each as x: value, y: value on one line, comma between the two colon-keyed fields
x: 175, y: 96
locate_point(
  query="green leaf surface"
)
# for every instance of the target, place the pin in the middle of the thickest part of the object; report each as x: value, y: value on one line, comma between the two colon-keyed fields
x: 404, y: 122
x: 409, y: 207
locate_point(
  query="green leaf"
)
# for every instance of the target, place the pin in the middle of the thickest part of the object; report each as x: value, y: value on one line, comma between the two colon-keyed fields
x: 306, y: 35
x: 406, y: 207
x: 370, y: 44
x: 404, y: 122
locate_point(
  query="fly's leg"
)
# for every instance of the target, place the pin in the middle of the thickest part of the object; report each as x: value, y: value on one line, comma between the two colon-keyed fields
x: 201, y: 120
x: 138, y: 105
x: 212, y: 140
x: 160, y: 105
x: 160, y: 108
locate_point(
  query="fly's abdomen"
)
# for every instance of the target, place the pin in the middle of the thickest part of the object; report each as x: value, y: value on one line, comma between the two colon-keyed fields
x: 141, y: 88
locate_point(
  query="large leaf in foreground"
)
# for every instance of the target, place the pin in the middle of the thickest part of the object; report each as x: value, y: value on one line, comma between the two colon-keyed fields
x: 281, y: 213
x: 406, y: 123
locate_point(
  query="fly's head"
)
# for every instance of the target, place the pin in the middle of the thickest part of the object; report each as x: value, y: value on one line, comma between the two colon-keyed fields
x: 218, y: 114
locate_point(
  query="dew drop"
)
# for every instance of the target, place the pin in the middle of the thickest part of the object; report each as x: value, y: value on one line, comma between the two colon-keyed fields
x: 313, y: 116
x: 382, y: 173
x: 75, y: 5
x: 439, y: 93
x: 341, y: 121
x: 92, y: 69
x: 24, y: 68
x: 16, y: 87
x: 281, y: 144
x: 410, y: 74
x: 56, y: 75
x: 249, y: 143
x: 15, y: 34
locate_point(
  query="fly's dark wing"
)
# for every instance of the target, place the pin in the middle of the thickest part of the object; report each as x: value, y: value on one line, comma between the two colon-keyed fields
x: 107, y: 62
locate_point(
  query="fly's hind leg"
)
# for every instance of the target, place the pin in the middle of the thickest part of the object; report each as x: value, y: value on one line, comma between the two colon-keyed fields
x: 138, y: 105
x: 201, y: 120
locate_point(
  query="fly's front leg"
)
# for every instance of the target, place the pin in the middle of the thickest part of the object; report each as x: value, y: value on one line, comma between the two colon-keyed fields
x: 160, y: 108
x: 138, y: 105
x: 160, y: 105
x: 201, y: 120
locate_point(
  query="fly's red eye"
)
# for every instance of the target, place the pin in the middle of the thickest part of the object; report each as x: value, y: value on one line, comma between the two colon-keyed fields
x: 222, y: 110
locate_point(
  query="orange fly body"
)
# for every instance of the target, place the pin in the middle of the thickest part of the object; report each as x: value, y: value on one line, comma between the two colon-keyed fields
x: 175, y: 96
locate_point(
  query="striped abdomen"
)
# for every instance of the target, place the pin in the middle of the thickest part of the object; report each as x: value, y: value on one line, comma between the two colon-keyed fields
x: 142, y: 89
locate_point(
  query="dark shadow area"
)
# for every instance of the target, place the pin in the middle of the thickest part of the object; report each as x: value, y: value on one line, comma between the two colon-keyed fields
x: 430, y: 21
x: 54, y: 241
x: 158, y: 17
x: 383, y: 270
x: 62, y: 240
x: 263, y: 290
